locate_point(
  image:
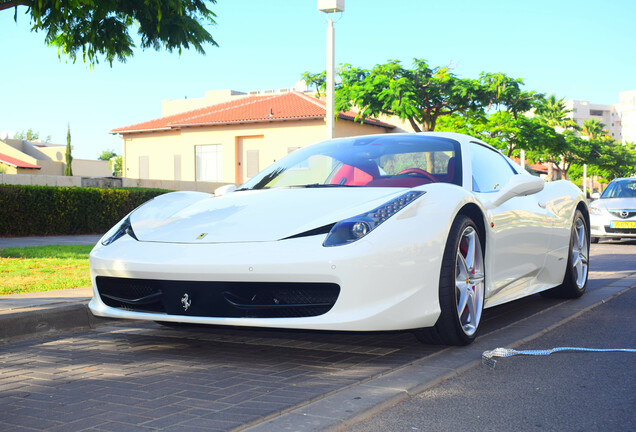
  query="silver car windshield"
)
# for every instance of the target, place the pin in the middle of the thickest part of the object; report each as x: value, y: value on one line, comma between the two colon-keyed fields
x: 370, y: 161
x: 620, y: 189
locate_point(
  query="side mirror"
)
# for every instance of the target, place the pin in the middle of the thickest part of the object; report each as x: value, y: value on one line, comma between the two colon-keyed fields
x: 518, y: 185
x: 595, y: 195
x: 224, y: 190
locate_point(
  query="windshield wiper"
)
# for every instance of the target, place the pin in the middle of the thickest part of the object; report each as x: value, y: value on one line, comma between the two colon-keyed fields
x: 327, y: 185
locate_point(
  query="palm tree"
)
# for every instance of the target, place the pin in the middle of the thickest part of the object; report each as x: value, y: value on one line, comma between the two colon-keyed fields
x: 593, y: 128
x: 555, y: 113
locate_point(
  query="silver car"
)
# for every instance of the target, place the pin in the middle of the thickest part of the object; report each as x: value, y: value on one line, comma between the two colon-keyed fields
x: 613, y: 215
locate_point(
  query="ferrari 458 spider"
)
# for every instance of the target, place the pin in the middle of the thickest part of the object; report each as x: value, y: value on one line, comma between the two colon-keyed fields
x: 383, y: 232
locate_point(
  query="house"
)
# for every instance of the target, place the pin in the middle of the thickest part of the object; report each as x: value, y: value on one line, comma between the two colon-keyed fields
x: 229, y: 136
x: 41, y: 158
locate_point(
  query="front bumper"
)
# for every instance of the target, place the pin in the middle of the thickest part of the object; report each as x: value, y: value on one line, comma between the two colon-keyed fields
x: 385, y: 282
x: 604, y: 226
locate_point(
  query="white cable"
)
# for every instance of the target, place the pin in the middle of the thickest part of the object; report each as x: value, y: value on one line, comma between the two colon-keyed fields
x: 488, y: 360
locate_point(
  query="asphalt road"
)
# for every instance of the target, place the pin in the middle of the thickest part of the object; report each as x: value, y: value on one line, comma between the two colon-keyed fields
x: 143, y: 376
x: 565, y: 391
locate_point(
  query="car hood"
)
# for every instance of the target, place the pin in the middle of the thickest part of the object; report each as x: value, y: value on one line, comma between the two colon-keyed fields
x: 614, y: 203
x: 251, y: 216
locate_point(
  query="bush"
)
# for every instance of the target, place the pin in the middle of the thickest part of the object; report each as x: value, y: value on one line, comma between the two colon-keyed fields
x: 47, y: 210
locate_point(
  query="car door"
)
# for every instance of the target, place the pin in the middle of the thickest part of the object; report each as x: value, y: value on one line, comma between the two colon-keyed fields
x: 520, y: 229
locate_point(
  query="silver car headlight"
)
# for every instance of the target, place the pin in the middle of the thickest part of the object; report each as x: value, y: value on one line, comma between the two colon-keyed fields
x: 596, y: 211
x: 352, y: 229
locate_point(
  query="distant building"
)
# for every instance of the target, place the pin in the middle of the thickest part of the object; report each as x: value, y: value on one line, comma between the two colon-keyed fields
x: 24, y: 157
x: 619, y: 119
x: 229, y: 136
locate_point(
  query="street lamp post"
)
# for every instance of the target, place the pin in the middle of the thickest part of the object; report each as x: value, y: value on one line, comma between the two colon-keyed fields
x: 330, y: 7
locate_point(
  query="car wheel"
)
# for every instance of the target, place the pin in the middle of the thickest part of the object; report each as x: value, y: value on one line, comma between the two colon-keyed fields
x: 461, y: 287
x: 594, y: 239
x: 576, y: 272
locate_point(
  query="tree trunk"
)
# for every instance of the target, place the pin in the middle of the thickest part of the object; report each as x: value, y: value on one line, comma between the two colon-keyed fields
x: 414, y: 125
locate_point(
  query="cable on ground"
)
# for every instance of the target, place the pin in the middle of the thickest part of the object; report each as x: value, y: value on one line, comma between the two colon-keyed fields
x: 487, y: 358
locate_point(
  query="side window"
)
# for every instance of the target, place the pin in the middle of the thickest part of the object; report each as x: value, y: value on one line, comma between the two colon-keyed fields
x: 490, y: 170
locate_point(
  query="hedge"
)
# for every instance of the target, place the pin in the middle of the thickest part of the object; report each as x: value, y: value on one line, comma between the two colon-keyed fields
x: 49, y: 210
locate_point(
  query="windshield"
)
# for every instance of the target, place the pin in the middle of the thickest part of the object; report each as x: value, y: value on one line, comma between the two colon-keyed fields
x: 370, y: 161
x: 620, y: 189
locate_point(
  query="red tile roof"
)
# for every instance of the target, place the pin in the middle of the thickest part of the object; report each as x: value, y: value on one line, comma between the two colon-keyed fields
x: 538, y: 167
x: 250, y: 109
x: 16, y: 162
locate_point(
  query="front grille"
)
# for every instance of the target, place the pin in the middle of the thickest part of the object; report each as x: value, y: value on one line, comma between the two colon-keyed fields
x: 617, y: 213
x: 130, y: 294
x: 219, y: 299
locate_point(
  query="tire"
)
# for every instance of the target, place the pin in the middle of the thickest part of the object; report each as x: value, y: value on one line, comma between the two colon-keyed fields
x: 594, y: 240
x: 462, y: 272
x: 577, y: 270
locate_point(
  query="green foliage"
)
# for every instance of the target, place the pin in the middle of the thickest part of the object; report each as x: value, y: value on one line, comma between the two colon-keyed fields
x: 102, y: 28
x: 317, y: 80
x: 46, y: 210
x: 423, y: 94
x: 30, y: 135
x: 554, y: 112
x: 68, y: 168
x: 116, y: 166
x: 593, y: 129
x: 115, y: 161
x: 107, y: 155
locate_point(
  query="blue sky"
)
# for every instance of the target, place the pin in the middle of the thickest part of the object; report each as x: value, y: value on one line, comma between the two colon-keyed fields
x: 575, y: 49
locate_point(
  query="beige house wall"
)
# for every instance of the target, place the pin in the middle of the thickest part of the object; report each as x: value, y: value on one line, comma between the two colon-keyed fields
x: 90, y: 168
x: 51, y: 160
x: 15, y: 153
x: 272, y: 140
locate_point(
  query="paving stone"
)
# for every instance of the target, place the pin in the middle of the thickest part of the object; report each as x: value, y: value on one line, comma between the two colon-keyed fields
x: 141, y: 377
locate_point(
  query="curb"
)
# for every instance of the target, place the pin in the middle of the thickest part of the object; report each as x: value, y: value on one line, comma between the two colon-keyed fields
x: 46, y: 320
x: 359, y: 402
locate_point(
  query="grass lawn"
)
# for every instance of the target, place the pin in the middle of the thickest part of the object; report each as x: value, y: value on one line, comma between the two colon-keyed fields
x: 43, y: 268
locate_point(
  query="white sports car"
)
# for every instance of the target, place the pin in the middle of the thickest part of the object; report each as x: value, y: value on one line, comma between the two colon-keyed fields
x: 384, y: 232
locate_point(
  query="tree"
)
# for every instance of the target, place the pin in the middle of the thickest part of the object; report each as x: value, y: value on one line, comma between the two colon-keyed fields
x: 555, y: 112
x: 114, y: 161
x: 423, y: 94
x: 68, y: 170
x: 615, y: 159
x: 107, y: 155
x: 317, y: 80
x: 592, y: 128
x: 95, y: 28
x: 116, y: 165
x: 30, y: 135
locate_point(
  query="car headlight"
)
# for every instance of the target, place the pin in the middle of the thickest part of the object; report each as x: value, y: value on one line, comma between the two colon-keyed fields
x: 352, y: 229
x: 119, y: 231
x: 596, y: 210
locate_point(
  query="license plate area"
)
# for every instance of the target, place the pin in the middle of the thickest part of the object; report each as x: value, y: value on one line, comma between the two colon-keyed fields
x: 623, y: 224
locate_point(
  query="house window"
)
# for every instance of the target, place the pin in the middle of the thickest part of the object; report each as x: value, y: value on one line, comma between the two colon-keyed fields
x: 596, y: 113
x: 209, y: 162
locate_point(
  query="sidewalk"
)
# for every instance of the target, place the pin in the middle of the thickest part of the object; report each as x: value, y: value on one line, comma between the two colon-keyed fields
x: 39, y: 313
